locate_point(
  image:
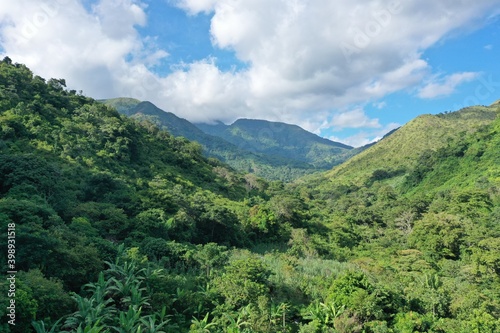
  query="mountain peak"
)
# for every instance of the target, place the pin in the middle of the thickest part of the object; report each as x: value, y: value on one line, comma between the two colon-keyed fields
x: 283, y: 140
x: 274, y: 150
x: 276, y: 128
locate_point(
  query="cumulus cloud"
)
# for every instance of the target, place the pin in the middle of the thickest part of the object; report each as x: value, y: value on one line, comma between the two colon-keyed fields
x: 354, y: 119
x: 90, y: 49
x: 446, y: 85
x: 308, y: 58
x: 304, y: 60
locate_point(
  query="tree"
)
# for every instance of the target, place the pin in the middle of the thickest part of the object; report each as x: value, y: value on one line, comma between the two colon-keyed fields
x: 211, y: 256
x: 243, y: 281
x: 52, y: 300
x: 438, y: 235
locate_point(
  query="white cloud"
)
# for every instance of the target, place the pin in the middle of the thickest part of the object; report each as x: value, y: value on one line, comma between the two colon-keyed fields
x: 62, y: 39
x: 445, y: 86
x: 365, y: 137
x: 296, y: 50
x: 195, y: 6
x: 354, y: 119
x: 305, y: 59
x: 118, y: 17
x: 358, y: 140
x: 380, y: 105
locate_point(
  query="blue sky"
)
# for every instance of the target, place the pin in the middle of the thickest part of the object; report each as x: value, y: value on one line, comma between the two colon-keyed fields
x: 346, y: 70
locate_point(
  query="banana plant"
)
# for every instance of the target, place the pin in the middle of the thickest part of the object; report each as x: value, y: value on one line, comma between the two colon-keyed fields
x: 201, y: 326
x: 100, y: 289
x: 332, y: 311
x: 323, y: 313
x: 150, y: 325
x: 94, y: 328
x: 315, y: 312
x: 39, y: 326
x: 129, y: 321
x: 278, y: 314
x: 90, y: 311
x: 235, y: 325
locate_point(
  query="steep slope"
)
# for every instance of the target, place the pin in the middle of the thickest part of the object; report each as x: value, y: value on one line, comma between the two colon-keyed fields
x: 471, y: 162
x: 121, y: 104
x: 398, y: 153
x: 122, y: 226
x: 434, y: 229
x: 79, y: 182
x: 77, y: 179
x: 280, y: 139
x: 274, y: 163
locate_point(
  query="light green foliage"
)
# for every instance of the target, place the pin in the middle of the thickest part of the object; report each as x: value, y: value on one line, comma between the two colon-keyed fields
x: 438, y: 235
x: 267, y: 149
x: 400, y: 152
x: 243, y: 281
x: 121, y: 226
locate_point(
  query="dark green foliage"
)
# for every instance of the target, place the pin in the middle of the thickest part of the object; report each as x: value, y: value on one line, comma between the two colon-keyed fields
x: 280, y: 139
x: 121, y: 226
x: 267, y: 149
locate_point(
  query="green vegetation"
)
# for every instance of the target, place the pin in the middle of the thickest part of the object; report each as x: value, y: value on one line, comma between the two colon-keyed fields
x: 122, y: 227
x: 284, y: 140
x: 398, y: 153
x: 275, y: 151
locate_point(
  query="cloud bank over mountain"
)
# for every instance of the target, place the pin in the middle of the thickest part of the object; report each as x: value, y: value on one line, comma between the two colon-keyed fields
x: 311, y: 63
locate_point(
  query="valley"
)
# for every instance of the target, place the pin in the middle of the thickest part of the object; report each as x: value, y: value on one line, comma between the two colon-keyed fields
x: 123, y: 223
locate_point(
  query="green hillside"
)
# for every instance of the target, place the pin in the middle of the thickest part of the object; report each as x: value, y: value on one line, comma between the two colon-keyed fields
x: 240, y: 156
x: 397, y: 154
x: 248, y: 144
x: 122, y: 227
x: 433, y: 229
x: 77, y: 179
x: 280, y: 139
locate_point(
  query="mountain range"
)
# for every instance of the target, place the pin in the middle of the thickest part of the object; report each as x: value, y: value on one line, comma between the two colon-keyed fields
x: 272, y: 150
x: 119, y: 225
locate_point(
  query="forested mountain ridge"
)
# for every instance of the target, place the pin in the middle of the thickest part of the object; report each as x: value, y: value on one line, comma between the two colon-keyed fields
x: 398, y: 153
x: 268, y: 149
x: 122, y: 227
x: 276, y: 138
x: 269, y: 167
